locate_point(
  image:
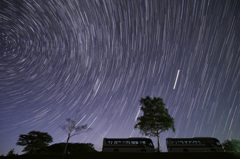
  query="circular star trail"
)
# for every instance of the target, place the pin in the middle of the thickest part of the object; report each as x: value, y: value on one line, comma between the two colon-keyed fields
x: 94, y: 61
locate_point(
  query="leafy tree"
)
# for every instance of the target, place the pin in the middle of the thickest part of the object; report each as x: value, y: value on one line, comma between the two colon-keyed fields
x: 231, y: 145
x: 72, y: 128
x: 34, y: 140
x: 155, y: 119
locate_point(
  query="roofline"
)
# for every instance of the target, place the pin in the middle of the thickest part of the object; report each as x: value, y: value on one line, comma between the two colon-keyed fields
x: 129, y: 138
x: 194, y: 138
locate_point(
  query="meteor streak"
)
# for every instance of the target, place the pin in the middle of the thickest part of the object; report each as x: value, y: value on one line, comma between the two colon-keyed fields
x: 176, y: 80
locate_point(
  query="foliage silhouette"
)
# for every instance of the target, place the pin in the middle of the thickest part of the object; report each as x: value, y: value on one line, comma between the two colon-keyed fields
x: 231, y: 145
x: 73, y: 148
x: 33, y: 141
x: 155, y: 119
x: 11, y: 153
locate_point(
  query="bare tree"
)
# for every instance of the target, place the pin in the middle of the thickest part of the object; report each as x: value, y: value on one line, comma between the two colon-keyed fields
x: 71, y: 128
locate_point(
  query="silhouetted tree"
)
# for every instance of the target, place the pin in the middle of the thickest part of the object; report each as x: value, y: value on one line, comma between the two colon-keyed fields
x: 231, y: 145
x: 11, y: 153
x: 155, y: 119
x: 34, y: 140
x: 72, y: 128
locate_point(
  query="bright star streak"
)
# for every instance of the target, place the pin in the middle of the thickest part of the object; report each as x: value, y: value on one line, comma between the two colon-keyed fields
x: 176, y: 80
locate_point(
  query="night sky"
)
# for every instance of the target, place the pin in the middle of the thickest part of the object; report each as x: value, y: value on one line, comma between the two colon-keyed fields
x: 94, y: 60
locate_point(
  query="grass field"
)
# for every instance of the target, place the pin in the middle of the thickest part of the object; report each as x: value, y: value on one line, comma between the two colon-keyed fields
x: 101, y: 155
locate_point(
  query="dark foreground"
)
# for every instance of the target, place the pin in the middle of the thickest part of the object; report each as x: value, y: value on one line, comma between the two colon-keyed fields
x: 164, y: 155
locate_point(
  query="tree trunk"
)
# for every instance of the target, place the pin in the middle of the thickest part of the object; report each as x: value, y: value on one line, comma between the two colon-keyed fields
x: 65, y: 150
x: 158, y: 141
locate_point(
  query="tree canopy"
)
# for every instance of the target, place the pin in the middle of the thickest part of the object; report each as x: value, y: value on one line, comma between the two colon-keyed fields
x: 34, y: 140
x: 155, y: 118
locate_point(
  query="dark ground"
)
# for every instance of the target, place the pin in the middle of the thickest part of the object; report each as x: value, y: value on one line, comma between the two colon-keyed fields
x: 100, y: 155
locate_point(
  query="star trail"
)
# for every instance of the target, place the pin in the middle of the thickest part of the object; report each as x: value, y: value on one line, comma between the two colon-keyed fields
x: 94, y: 60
